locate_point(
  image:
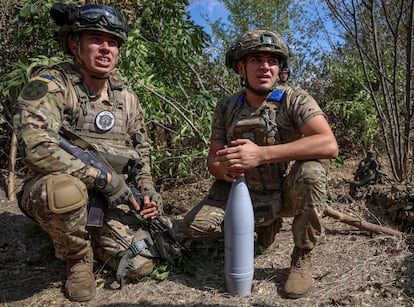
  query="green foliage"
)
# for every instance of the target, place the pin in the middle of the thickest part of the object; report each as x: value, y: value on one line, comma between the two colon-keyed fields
x: 339, y: 161
x: 381, y: 38
x: 32, y: 25
x: 164, y: 58
x: 163, y: 268
x: 160, y: 272
x: 358, y: 116
x: 347, y: 99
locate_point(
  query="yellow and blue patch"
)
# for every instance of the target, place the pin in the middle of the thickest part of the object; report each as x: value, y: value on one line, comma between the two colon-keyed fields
x: 44, y: 78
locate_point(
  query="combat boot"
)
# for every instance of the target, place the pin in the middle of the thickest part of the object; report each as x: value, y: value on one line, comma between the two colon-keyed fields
x: 299, y: 281
x: 80, y: 280
x: 266, y: 234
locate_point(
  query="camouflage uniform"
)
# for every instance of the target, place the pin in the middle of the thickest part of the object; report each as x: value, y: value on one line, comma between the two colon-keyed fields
x: 296, y: 189
x: 59, y: 186
x: 275, y: 191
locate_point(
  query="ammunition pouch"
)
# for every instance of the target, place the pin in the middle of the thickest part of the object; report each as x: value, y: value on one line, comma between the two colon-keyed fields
x: 266, y: 207
x: 65, y: 193
x: 252, y: 129
x: 264, y: 178
x: 123, y: 159
x: 219, y: 190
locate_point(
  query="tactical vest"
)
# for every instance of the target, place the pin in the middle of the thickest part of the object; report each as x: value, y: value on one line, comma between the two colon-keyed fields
x: 261, y: 128
x: 103, y: 124
x: 101, y: 120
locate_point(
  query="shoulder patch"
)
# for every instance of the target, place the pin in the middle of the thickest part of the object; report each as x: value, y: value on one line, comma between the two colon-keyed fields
x: 35, y: 89
x: 276, y: 96
x: 240, y: 100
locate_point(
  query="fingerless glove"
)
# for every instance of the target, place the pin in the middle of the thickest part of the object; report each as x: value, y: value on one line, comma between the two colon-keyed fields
x: 117, y: 191
x: 155, y: 197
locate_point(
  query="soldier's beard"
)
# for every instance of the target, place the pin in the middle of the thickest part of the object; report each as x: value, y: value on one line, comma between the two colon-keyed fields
x: 262, y: 92
x: 94, y: 74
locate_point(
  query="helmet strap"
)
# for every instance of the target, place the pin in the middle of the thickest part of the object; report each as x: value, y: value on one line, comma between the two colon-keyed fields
x: 258, y: 93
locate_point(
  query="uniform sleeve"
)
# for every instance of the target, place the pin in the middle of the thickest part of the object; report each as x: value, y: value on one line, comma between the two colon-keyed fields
x: 303, y: 108
x: 295, y: 113
x: 139, y: 136
x: 37, y: 123
x: 218, y: 124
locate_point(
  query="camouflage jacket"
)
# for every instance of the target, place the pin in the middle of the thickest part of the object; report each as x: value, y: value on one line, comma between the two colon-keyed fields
x: 55, y: 98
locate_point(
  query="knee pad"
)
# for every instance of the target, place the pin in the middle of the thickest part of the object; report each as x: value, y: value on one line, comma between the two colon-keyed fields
x: 65, y: 193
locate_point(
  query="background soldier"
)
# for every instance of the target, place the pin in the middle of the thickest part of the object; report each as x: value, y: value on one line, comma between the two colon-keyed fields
x: 255, y: 133
x: 86, y: 99
x: 284, y: 76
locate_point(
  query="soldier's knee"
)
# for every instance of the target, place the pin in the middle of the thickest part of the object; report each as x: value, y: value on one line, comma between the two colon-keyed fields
x: 204, y: 222
x: 65, y: 193
x: 202, y: 231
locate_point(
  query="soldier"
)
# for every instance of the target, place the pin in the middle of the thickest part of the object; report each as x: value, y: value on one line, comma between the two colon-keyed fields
x: 85, y: 98
x: 255, y: 133
x: 284, y: 76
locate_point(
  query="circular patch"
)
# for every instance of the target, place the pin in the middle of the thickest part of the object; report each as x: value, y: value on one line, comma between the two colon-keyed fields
x: 105, y: 120
x: 35, y: 89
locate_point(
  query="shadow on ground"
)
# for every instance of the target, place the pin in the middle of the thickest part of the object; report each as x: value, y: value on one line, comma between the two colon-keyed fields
x: 27, y: 264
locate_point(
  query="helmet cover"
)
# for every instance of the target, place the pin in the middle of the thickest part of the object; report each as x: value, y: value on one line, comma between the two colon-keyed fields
x: 256, y: 41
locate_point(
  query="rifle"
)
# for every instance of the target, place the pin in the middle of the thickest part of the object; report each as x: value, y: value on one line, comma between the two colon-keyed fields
x: 87, y: 154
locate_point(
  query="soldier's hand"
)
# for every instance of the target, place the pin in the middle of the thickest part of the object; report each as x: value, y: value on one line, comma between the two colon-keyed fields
x: 117, y: 191
x: 150, y: 195
x: 242, y: 155
x: 149, y: 210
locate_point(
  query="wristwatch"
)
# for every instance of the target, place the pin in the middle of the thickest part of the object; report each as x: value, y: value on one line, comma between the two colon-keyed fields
x: 101, y: 180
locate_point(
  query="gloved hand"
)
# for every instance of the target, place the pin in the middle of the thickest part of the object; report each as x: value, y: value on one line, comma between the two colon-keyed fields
x: 155, y: 197
x: 117, y: 191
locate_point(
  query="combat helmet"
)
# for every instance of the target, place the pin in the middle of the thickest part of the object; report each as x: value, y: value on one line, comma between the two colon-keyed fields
x: 73, y: 19
x: 255, y: 41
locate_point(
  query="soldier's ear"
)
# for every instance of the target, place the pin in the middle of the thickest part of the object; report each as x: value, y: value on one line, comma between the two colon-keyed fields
x: 73, y: 45
x: 240, y: 68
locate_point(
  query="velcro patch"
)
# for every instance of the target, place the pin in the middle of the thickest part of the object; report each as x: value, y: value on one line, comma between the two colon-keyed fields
x: 35, y: 89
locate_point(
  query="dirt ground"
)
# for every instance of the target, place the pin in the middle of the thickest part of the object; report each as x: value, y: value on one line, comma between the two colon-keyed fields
x: 352, y: 267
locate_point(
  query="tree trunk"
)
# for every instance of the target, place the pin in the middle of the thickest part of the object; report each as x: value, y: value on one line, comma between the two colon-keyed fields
x: 360, y: 224
x: 11, y: 189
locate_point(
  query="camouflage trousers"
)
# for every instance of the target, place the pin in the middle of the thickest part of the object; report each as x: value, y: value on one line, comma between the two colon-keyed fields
x: 43, y: 201
x: 303, y: 197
